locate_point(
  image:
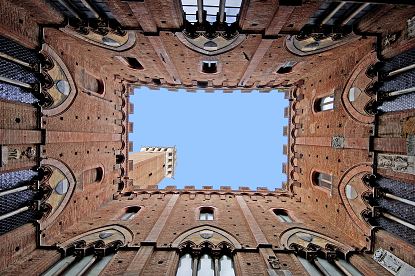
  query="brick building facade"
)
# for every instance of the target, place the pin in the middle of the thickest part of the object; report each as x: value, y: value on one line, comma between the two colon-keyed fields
x: 72, y: 202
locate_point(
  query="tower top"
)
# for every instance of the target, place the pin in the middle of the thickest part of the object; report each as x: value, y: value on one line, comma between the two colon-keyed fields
x: 170, y: 155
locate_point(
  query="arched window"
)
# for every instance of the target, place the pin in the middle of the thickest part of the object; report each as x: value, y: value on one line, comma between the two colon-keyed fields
x: 130, y: 212
x: 328, y: 258
x: 206, y: 213
x: 324, y: 104
x: 323, y: 180
x: 90, y: 253
x: 286, y: 68
x: 283, y: 215
x: 133, y: 63
x: 94, y: 175
x: 92, y: 84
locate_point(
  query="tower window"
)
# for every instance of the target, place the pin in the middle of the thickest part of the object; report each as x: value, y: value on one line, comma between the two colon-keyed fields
x: 324, y: 104
x: 133, y: 63
x: 206, y: 213
x: 130, y: 212
x: 322, y: 180
x: 286, y: 67
x: 283, y: 215
x: 210, y: 67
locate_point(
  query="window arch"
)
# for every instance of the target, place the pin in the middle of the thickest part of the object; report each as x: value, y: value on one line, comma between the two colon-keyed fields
x: 206, y: 213
x: 92, y: 84
x: 324, y: 104
x: 319, y: 254
x: 130, y: 212
x: 94, y: 175
x: 322, y: 180
x: 283, y: 215
x: 90, y: 253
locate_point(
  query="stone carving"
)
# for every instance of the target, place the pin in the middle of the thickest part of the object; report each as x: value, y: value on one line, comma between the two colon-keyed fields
x: 274, y: 262
x: 29, y: 153
x: 392, y: 263
x: 4, y: 155
x: 337, y: 142
x: 397, y: 163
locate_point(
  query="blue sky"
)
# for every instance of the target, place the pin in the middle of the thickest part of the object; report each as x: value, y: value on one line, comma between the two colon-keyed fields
x: 222, y: 139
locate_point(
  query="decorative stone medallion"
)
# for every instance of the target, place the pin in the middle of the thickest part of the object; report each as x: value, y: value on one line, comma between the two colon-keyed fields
x: 337, y: 142
x: 206, y: 234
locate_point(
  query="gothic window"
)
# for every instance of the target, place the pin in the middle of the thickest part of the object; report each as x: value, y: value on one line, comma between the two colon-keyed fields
x: 130, y: 212
x: 286, y: 67
x: 90, y: 253
x: 94, y: 175
x: 318, y: 254
x: 206, y: 213
x: 324, y: 103
x: 206, y: 264
x: 212, y: 11
x: 283, y: 215
x: 322, y: 180
x: 209, y: 67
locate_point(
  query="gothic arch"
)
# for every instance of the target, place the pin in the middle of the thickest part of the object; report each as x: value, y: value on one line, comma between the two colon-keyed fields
x: 359, y: 80
x: 356, y: 171
x: 199, y: 235
x: 108, y: 234
x: 109, y: 41
x: 304, y: 236
x: 60, y: 181
x: 62, y: 90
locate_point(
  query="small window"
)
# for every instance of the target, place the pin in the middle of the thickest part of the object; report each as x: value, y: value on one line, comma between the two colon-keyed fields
x: 322, y: 180
x: 130, y: 212
x: 133, y: 63
x: 202, y: 84
x: 92, y: 176
x: 210, y: 67
x: 324, y: 104
x: 283, y: 215
x: 92, y: 84
x: 286, y: 67
x: 206, y: 213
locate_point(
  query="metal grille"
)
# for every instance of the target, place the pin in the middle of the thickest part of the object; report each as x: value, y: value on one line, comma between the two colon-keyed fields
x: 399, y: 61
x: 16, y: 94
x: 396, y: 208
x: 393, y: 227
x: 102, y: 5
x: 15, y: 50
x: 398, y: 82
x: 14, y: 71
x: 14, y: 201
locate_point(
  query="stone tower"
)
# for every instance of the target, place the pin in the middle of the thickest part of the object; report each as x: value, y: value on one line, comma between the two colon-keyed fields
x: 151, y: 165
x: 69, y: 199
